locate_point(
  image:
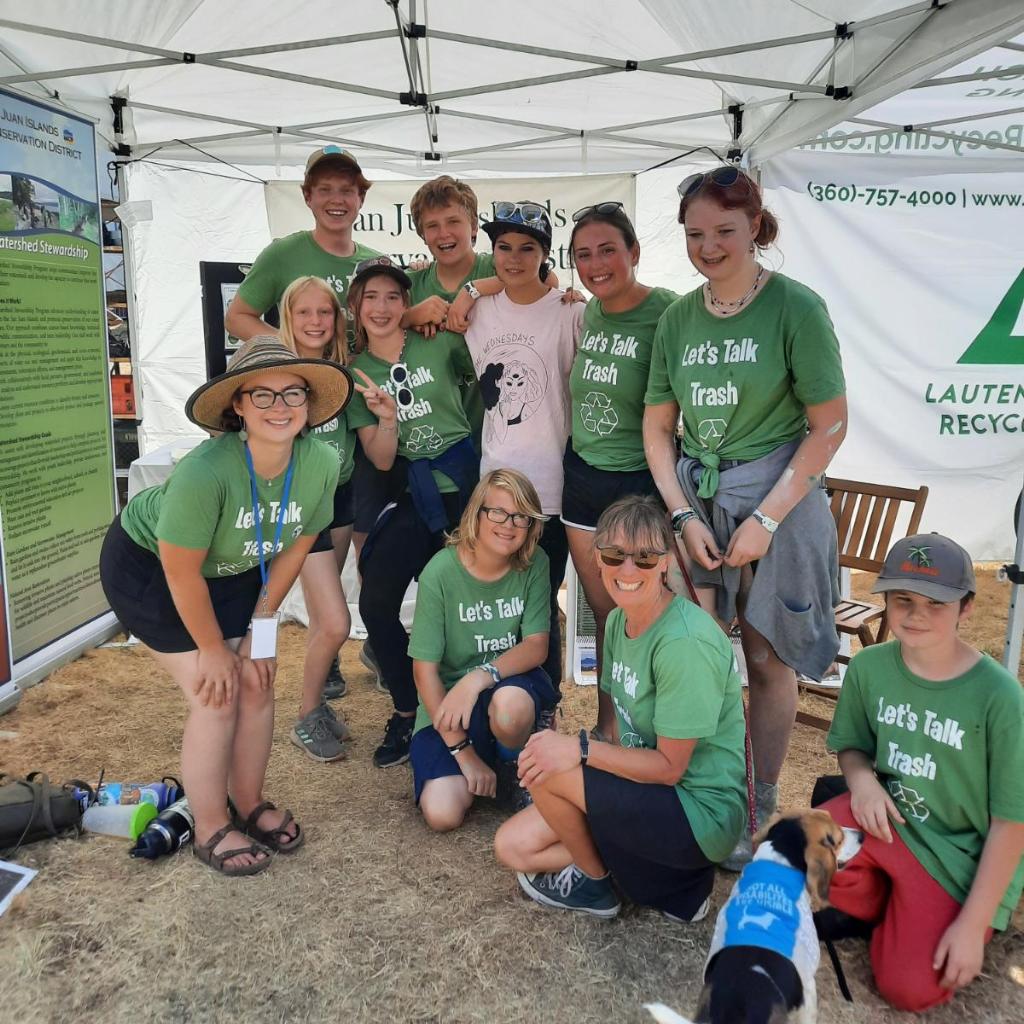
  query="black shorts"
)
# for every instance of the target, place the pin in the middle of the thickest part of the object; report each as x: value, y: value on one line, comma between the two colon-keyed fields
x: 587, y: 491
x: 136, y: 588
x: 344, y: 514
x: 646, y: 842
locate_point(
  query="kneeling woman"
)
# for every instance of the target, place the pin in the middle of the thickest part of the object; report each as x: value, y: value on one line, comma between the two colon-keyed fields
x: 656, y: 809
x: 479, y: 638
x: 197, y: 567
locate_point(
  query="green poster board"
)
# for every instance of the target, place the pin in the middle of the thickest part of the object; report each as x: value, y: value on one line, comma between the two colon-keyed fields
x: 56, y: 456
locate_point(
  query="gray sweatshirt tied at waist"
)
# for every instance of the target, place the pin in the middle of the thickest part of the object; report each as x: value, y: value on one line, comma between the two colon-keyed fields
x: 796, y: 584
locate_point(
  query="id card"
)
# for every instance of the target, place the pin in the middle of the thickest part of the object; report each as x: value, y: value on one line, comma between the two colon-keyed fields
x: 264, y: 636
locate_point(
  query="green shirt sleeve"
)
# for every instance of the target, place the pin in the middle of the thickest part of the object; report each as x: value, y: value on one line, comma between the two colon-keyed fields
x: 1006, y: 757
x: 261, y: 288
x: 358, y: 413
x: 461, y: 360
x: 427, y: 641
x: 659, y: 387
x: 611, y: 628
x: 814, y: 361
x: 192, y: 505
x: 323, y: 514
x: 537, y: 600
x: 851, y: 725
x: 689, y: 689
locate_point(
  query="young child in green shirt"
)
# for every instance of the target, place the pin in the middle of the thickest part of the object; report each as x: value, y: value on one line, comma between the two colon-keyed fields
x: 930, y: 738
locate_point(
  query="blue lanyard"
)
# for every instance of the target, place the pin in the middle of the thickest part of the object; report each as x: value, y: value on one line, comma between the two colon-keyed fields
x: 257, y: 525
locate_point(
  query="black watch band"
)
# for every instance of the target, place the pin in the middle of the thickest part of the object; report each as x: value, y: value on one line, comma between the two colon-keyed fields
x: 584, y: 747
x: 461, y: 745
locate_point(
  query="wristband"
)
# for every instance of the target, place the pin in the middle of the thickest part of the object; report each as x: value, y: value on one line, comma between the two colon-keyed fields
x: 771, y: 525
x: 681, y: 517
x: 461, y: 745
x: 584, y: 747
x: 492, y: 670
x: 471, y: 290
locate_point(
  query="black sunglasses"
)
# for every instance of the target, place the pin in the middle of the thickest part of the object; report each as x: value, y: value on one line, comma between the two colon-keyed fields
x: 724, y: 176
x: 614, y: 556
x: 605, y: 208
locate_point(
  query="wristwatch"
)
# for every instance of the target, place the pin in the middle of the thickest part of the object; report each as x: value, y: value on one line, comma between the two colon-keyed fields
x: 471, y: 290
x: 584, y: 747
x: 771, y: 525
x: 461, y: 745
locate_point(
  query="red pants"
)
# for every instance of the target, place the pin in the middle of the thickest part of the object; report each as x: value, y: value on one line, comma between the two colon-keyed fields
x: 887, y: 885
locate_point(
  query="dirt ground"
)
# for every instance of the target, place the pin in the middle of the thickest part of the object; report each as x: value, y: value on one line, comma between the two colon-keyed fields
x: 376, y: 919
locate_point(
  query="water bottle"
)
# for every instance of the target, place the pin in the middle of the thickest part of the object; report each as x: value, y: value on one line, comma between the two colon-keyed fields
x: 168, y: 832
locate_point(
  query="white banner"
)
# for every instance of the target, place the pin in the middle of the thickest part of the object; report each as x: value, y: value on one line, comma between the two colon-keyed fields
x: 385, y: 224
x: 924, y: 278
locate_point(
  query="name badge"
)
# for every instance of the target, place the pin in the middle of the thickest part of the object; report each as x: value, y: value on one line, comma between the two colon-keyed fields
x: 264, y: 636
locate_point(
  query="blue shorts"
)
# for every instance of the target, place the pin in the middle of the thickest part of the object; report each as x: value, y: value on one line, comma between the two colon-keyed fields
x: 646, y: 842
x: 429, y: 754
x: 344, y: 514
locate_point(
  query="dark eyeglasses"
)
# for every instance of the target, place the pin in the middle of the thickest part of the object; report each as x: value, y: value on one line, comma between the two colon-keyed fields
x: 264, y: 398
x: 605, y: 208
x: 399, y: 375
x: 532, y: 214
x: 614, y: 556
x: 724, y: 176
x: 520, y: 520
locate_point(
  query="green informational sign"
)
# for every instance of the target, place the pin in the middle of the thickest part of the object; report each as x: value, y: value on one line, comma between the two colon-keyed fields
x: 56, y: 458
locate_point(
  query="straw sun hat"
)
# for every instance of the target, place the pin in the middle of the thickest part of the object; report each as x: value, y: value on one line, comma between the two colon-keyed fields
x: 330, y: 385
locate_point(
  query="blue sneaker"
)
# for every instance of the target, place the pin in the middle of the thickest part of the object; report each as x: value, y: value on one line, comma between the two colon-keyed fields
x: 570, y: 889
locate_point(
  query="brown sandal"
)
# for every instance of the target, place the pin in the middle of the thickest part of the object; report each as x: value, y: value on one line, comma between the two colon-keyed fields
x: 279, y: 839
x: 216, y: 861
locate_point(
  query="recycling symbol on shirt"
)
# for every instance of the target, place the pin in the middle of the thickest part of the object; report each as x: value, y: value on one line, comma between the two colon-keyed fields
x: 910, y: 800
x: 711, y: 432
x: 598, y: 415
x: 423, y: 438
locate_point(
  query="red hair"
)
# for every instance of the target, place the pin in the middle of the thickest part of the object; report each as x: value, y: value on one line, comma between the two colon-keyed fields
x: 743, y: 194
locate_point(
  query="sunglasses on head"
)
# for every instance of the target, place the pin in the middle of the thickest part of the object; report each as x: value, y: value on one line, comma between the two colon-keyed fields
x: 724, y: 176
x: 614, y: 556
x: 605, y: 208
x: 399, y: 375
x: 524, y: 213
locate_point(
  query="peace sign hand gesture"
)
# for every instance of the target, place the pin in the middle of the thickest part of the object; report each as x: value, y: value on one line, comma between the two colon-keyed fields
x: 378, y: 401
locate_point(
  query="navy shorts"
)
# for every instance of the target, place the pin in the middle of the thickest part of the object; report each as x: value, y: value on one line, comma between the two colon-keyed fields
x: 646, y: 842
x: 429, y: 754
x: 136, y: 588
x: 587, y: 491
x: 344, y: 515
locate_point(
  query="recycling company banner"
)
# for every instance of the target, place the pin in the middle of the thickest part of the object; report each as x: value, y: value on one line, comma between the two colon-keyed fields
x: 922, y: 269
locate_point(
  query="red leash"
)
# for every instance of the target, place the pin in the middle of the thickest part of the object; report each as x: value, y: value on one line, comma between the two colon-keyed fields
x: 747, y: 752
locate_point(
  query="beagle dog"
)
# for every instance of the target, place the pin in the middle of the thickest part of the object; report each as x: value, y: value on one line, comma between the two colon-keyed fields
x: 764, y: 951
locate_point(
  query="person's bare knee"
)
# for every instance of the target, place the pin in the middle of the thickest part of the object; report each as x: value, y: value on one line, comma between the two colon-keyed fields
x: 444, y: 803
x: 511, y: 716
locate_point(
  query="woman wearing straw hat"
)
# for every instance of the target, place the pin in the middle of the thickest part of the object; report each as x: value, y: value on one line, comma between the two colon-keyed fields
x: 197, y: 567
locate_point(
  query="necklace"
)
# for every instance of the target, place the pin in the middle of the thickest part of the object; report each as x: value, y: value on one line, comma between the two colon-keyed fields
x: 732, y: 307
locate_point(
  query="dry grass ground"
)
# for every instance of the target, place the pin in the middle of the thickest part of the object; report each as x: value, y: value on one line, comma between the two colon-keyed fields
x: 375, y: 919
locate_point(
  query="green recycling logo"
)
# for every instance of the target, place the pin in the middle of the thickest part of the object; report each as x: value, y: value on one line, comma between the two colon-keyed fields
x: 598, y: 415
x: 711, y: 432
x: 1001, y: 340
x: 423, y: 438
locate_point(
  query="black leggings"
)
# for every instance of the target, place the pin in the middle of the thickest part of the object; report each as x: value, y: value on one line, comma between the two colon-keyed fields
x: 555, y: 544
x: 396, y: 553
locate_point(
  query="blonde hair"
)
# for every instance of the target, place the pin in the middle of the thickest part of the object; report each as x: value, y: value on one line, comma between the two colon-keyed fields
x: 524, y: 497
x: 335, y: 349
x: 355, y: 300
x: 440, y: 192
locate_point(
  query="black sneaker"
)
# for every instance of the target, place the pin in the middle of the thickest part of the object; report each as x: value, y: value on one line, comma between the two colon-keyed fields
x: 335, y: 686
x: 395, y: 748
x: 570, y: 889
x: 369, y: 660
x: 510, y: 795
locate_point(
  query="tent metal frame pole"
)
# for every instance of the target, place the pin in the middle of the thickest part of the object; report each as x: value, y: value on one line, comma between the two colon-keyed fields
x: 1015, y: 619
x: 979, y: 76
x: 128, y: 252
x: 897, y: 44
x: 288, y: 76
x: 511, y: 145
x: 968, y: 117
x: 513, y: 122
x: 82, y: 37
x: 91, y: 69
x: 306, y: 44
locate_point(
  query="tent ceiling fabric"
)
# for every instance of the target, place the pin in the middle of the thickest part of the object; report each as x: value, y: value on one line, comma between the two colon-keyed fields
x: 576, y: 86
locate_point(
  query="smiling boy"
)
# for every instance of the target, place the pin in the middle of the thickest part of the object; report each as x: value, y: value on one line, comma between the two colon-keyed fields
x: 930, y: 738
x: 334, y: 188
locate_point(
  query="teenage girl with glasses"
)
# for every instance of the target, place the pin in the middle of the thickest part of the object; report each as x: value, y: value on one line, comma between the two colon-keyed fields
x: 479, y: 637
x: 434, y: 474
x: 313, y: 326
x: 523, y: 341
x: 605, y: 458
x: 751, y: 359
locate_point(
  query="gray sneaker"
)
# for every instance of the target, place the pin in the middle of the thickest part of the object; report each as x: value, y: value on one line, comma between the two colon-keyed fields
x: 315, y: 738
x: 366, y: 658
x: 337, y: 725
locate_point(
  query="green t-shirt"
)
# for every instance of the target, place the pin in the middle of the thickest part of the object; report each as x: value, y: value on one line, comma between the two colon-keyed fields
x: 436, y: 420
x: 294, y: 256
x: 679, y: 679
x: 339, y: 434
x: 425, y: 284
x: 743, y: 382
x: 609, y: 380
x: 206, y: 504
x: 461, y: 621
x: 950, y: 753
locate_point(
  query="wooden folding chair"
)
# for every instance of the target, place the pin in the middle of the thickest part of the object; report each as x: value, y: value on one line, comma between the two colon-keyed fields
x: 866, y: 516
